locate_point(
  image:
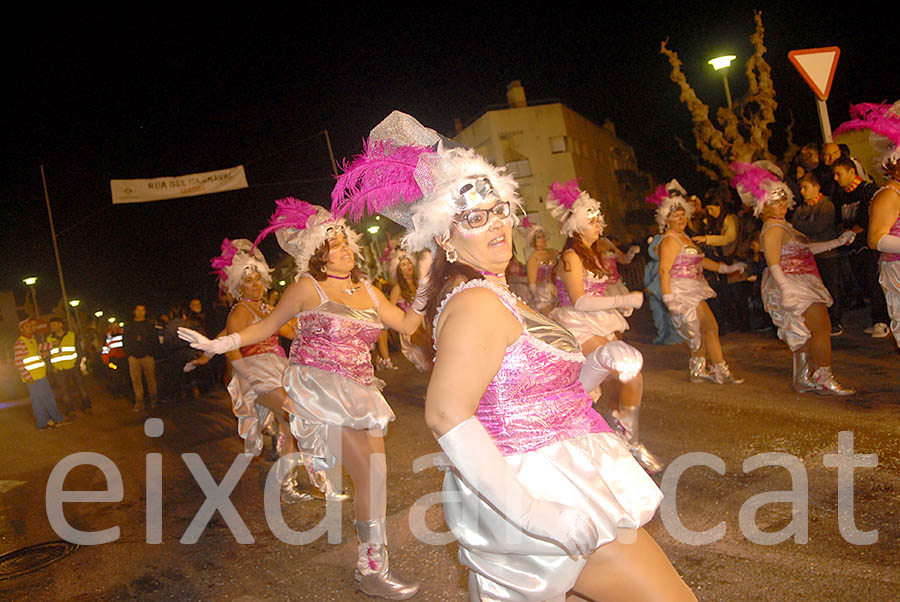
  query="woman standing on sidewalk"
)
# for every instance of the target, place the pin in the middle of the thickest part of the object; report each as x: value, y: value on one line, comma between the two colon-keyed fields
x: 335, y: 402
x: 685, y: 290
x: 792, y: 290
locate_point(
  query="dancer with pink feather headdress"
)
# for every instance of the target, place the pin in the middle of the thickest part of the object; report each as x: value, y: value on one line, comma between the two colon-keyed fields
x: 334, y: 400
x: 883, y: 123
x: 792, y: 290
x: 540, y: 493
x: 402, y: 266
x: 685, y: 290
x: 539, y: 267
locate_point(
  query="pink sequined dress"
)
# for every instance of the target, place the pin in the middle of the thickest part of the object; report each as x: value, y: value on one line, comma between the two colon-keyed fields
x: 689, y: 288
x: 889, y: 278
x: 587, y: 324
x: 804, y: 282
x: 329, y: 379
x: 615, y: 286
x: 544, y: 298
x: 560, y: 450
x: 265, y: 363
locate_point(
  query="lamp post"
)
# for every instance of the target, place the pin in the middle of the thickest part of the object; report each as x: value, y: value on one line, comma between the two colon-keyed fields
x: 721, y: 63
x: 30, y: 282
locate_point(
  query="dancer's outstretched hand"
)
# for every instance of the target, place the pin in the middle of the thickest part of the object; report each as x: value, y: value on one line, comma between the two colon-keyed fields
x: 216, y: 346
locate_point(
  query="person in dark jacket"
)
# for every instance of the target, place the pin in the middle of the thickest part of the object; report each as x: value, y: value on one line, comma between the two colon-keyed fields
x: 141, y: 341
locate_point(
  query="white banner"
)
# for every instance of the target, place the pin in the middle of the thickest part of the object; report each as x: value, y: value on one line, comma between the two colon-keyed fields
x: 174, y: 187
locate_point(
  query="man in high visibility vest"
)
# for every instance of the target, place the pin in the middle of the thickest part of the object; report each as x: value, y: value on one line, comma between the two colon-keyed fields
x: 33, y: 370
x: 64, y: 359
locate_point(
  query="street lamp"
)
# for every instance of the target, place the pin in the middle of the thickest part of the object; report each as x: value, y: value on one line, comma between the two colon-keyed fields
x: 721, y: 63
x: 74, y: 303
x: 30, y: 282
x: 98, y: 313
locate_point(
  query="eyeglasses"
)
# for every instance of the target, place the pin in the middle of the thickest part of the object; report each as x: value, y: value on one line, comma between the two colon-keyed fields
x: 476, y: 218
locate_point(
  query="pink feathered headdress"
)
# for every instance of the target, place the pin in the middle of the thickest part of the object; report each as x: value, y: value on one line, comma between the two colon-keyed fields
x: 883, y: 120
x: 758, y: 186
x: 239, y: 256
x: 573, y: 207
x: 658, y: 196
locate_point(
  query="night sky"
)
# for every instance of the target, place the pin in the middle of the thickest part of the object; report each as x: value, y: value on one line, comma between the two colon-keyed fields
x: 155, y: 96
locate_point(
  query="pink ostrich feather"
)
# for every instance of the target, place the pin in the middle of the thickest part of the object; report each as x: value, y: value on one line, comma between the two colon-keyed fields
x: 380, y: 177
x: 223, y: 261
x: 526, y: 223
x: 874, y: 117
x: 290, y: 213
x: 658, y: 196
x: 386, y: 254
x: 566, y: 194
x: 752, y: 177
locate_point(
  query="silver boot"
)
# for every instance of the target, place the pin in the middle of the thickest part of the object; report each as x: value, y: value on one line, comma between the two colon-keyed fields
x: 627, y: 424
x: 373, y: 575
x: 292, y: 489
x: 801, y: 382
x: 698, y: 371
x: 825, y: 383
x: 723, y: 375
x: 324, y: 490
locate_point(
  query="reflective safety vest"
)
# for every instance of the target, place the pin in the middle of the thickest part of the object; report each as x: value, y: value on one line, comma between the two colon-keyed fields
x: 33, y: 362
x: 63, y: 354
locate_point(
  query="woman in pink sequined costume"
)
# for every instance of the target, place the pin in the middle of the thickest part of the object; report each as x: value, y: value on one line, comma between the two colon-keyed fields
x: 792, y: 290
x: 610, y: 258
x: 685, y: 290
x: 334, y: 400
x: 539, y: 492
x: 402, y: 295
x: 883, y: 123
x: 588, y: 312
x: 539, y: 267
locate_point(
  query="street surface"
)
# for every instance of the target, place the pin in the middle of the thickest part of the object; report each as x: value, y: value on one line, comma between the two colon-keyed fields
x: 731, y: 422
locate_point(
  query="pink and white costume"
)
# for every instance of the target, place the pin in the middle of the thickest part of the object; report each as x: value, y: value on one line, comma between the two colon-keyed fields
x: 329, y: 379
x: 587, y: 324
x: 890, y: 283
x: 615, y: 286
x: 799, y: 267
x: 545, y: 294
x: 539, y: 416
x: 265, y: 363
x: 689, y: 288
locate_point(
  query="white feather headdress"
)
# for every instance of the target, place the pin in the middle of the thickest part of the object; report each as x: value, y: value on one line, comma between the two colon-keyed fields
x: 759, y: 184
x: 668, y: 198
x: 573, y: 207
x: 239, y: 257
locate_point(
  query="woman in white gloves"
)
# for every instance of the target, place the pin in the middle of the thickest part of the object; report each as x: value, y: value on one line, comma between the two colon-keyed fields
x: 541, y: 495
x: 588, y: 312
x: 792, y: 290
x: 685, y: 290
x: 334, y: 400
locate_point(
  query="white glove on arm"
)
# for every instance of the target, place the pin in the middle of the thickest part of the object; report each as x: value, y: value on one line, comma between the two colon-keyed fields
x: 629, y: 255
x: 738, y: 266
x: 788, y: 300
x: 479, y: 462
x: 597, y: 303
x: 615, y: 356
x: 889, y: 244
x: 673, y: 304
x: 846, y: 237
x: 214, y: 347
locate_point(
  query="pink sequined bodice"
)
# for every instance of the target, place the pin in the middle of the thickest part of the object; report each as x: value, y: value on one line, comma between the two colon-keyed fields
x: 796, y: 257
x: 269, y: 345
x: 592, y: 286
x: 544, y: 272
x: 535, y: 398
x: 688, y: 262
x: 337, y: 338
x: 610, y: 262
x: 894, y: 231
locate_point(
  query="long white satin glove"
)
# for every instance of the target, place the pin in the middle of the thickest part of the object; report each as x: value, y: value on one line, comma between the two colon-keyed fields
x: 629, y: 255
x: 615, y: 356
x: 789, y: 300
x: 889, y: 244
x: 846, y: 237
x: 738, y: 266
x: 479, y: 462
x: 215, y: 346
x: 673, y: 304
x: 632, y: 300
x: 421, y: 299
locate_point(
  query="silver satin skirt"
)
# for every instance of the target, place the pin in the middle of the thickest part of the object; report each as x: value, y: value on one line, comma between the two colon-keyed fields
x: 890, y: 284
x: 689, y: 293
x: 414, y: 353
x: 594, y: 473
x: 318, y: 399
x: 544, y: 296
x: 587, y: 324
x: 264, y: 374
x: 791, y: 325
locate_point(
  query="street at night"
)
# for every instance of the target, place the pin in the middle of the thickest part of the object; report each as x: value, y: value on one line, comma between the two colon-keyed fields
x: 731, y: 422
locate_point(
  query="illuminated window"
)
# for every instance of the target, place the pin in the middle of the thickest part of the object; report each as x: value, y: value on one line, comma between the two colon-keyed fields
x: 558, y: 144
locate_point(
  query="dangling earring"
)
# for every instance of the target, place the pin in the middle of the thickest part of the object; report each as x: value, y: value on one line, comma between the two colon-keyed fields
x: 322, y: 269
x: 450, y: 253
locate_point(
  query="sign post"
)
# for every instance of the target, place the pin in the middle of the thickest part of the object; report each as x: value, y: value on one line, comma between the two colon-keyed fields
x: 817, y: 66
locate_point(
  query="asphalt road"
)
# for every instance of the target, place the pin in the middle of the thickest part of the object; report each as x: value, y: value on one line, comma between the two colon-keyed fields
x: 732, y: 423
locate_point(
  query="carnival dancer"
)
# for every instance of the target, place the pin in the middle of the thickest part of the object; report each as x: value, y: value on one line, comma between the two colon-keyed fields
x: 792, y: 290
x: 334, y: 400
x: 402, y: 266
x: 883, y: 122
x: 587, y: 312
x: 685, y: 290
x: 610, y: 257
x: 255, y: 388
x: 666, y: 334
x: 539, y: 267
x: 543, y: 493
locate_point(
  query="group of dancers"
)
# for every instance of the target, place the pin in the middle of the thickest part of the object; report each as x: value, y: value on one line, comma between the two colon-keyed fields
x: 546, y: 500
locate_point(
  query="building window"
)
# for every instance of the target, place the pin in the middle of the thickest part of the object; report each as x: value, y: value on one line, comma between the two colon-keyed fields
x: 558, y: 144
x: 519, y: 169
